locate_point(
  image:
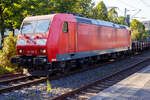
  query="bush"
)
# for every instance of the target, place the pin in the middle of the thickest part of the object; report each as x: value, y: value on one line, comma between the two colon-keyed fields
x: 8, y: 51
x: 7, y: 70
x: 145, y: 35
x: 135, y: 35
x: 138, y: 30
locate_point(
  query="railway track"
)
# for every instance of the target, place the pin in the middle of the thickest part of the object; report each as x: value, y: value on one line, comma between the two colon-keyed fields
x: 20, y: 81
x: 92, y: 89
x: 13, y: 79
x: 23, y: 81
x: 10, y: 75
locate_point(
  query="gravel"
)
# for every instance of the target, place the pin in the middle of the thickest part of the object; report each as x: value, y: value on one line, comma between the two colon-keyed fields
x: 63, y: 85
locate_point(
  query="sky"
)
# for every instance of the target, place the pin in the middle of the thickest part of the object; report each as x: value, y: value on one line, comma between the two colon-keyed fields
x: 137, y: 9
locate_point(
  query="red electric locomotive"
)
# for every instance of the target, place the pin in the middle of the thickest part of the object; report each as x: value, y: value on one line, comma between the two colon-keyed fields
x: 51, y: 42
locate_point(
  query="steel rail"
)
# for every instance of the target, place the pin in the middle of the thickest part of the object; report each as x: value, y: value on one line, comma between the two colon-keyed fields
x: 140, y: 64
x: 23, y: 84
x: 10, y: 75
x: 43, y: 79
x: 13, y: 79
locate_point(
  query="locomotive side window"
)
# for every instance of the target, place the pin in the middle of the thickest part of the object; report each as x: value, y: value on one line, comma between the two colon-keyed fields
x: 65, y: 27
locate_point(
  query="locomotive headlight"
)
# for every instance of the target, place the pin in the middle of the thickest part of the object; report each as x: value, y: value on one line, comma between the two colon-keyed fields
x: 21, y: 51
x: 43, y: 51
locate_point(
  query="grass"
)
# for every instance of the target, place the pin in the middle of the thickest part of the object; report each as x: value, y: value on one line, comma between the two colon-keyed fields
x: 7, y: 70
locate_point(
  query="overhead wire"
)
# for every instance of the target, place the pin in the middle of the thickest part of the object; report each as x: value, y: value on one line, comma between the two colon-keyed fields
x: 122, y: 3
x: 133, y: 7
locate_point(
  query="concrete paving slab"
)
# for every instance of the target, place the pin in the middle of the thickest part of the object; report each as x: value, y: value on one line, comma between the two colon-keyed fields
x: 135, y: 87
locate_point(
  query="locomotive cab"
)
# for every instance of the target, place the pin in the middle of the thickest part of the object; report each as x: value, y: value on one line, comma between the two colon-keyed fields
x: 31, y: 44
x: 33, y: 37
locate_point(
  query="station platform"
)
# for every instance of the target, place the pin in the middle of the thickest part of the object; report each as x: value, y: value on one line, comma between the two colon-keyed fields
x: 134, y: 87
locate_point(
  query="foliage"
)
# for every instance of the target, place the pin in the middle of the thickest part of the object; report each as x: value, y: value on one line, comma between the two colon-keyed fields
x: 37, y: 7
x: 6, y: 70
x: 135, y: 24
x: 138, y: 30
x: 99, y: 12
x: 9, y: 15
x: 8, y: 50
x: 113, y: 15
x: 135, y: 35
x: 145, y: 35
x: 63, y: 6
x: 83, y: 7
x: 77, y: 6
x: 121, y: 20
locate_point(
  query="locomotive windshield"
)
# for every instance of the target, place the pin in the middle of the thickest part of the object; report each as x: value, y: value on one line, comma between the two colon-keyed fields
x: 35, y: 26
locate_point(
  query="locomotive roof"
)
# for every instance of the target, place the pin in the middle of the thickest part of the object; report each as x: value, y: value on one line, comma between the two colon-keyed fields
x: 99, y: 22
x: 38, y: 17
x: 80, y: 20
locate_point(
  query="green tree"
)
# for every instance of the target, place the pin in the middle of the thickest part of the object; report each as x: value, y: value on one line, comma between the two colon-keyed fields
x: 138, y: 30
x: 121, y: 20
x: 9, y: 15
x: 15, y: 17
x: 12, y: 12
x: 135, y: 24
x: 8, y: 50
x: 71, y: 6
x: 63, y: 6
x: 145, y: 35
x: 99, y: 12
x: 135, y: 35
x: 83, y: 7
x: 113, y: 15
x: 37, y: 7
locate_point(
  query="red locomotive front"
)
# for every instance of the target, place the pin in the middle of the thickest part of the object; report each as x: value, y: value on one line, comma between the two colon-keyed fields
x: 31, y: 44
x: 39, y: 41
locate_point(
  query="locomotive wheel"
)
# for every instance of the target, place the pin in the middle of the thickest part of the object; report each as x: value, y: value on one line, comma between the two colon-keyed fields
x: 90, y: 61
x: 65, y: 70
